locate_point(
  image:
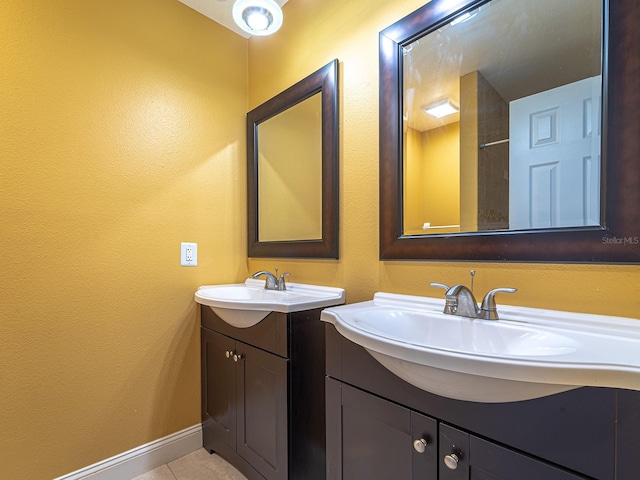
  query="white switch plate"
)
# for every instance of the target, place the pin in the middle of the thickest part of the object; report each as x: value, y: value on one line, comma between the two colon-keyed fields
x: 188, y: 254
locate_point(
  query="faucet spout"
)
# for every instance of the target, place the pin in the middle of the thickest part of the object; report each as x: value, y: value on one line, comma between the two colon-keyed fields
x: 271, y: 282
x: 462, y: 302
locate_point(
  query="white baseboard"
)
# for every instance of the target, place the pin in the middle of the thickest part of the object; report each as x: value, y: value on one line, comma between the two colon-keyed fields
x: 143, y: 458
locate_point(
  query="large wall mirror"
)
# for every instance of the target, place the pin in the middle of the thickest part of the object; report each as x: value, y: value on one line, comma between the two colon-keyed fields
x: 506, y: 132
x: 292, y: 154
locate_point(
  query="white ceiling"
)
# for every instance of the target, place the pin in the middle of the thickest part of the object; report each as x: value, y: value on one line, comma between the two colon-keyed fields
x: 220, y: 11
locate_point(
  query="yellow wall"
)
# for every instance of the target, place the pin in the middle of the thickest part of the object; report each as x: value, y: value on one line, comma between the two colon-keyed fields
x: 432, y: 179
x: 315, y: 32
x: 442, y: 175
x: 122, y: 127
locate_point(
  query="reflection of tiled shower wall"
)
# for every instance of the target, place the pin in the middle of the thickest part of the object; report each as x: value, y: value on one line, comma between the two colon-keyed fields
x: 493, y: 161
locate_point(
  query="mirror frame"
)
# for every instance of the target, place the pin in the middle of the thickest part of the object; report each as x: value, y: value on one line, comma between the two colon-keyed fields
x: 325, y: 82
x: 616, y: 241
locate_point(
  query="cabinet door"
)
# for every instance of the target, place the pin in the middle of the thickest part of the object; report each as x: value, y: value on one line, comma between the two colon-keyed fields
x: 262, y: 411
x: 218, y: 390
x: 424, y: 437
x: 453, y: 448
x: 467, y: 457
x: 370, y: 438
x: 492, y: 462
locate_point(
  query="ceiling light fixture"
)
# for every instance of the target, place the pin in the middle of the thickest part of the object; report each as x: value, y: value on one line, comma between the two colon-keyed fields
x: 442, y: 108
x: 257, y: 17
x: 464, y: 17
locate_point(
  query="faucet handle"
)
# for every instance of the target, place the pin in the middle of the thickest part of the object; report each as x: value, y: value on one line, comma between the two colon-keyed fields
x: 281, y: 283
x: 449, y: 305
x: 488, y: 309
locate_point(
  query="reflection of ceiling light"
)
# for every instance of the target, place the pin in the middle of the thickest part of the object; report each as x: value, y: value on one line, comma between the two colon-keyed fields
x: 442, y: 108
x: 464, y: 17
x: 407, y: 48
x: 257, y: 17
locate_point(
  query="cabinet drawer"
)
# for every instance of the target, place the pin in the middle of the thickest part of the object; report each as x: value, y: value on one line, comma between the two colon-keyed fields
x: 270, y: 334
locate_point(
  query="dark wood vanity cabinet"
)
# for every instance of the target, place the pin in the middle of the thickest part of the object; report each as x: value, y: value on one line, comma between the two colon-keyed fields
x: 263, y: 396
x: 381, y: 427
x: 369, y: 437
x: 245, y: 403
x: 375, y: 439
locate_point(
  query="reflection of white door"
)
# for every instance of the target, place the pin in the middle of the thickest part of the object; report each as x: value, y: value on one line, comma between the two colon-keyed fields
x: 554, y: 157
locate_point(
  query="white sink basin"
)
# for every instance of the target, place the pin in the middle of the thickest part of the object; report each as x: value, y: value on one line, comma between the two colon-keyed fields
x: 246, y: 304
x: 528, y: 353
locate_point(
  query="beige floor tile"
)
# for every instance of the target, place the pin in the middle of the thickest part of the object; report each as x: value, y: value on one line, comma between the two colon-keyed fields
x: 200, y: 465
x: 160, y: 473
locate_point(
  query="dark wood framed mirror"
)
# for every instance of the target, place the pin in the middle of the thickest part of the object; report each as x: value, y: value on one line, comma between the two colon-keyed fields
x: 292, y: 171
x: 615, y: 235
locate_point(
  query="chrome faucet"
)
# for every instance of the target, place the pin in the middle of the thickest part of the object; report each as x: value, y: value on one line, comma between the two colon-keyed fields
x: 459, y: 300
x: 462, y: 301
x: 273, y: 282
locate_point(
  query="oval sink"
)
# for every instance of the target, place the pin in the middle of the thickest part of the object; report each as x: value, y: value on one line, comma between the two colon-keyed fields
x: 528, y: 353
x: 246, y: 304
x: 480, y: 337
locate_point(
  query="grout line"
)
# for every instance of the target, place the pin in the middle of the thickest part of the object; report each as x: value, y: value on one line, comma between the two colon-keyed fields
x: 172, y: 474
x: 171, y: 470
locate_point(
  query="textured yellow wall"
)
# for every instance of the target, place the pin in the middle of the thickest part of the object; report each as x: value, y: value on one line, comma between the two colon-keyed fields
x: 122, y: 134
x: 432, y: 178
x: 314, y: 33
x: 441, y: 180
x: 122, y: 127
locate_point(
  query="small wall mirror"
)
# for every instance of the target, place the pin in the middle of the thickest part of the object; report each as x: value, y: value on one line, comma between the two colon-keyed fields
x: 493, y: 128
x: 292, y: 154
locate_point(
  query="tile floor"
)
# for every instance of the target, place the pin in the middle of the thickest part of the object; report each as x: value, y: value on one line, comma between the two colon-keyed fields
x: 198, y: 465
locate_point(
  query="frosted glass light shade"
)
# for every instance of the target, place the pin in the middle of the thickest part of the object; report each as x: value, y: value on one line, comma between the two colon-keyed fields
x: 442, y: 109
x: 257, y: 17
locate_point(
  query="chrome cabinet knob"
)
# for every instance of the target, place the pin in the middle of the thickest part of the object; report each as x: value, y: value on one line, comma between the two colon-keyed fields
x: 420, y: 445
x: 451, y: 461
x: 237, y: 357
x: 228, y: 353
